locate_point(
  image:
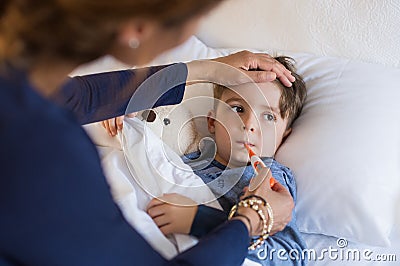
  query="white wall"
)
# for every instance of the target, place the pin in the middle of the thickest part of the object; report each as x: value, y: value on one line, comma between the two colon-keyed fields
x: 368, y: 30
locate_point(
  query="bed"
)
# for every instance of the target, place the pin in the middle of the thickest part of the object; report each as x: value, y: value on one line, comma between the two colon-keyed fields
x: 345, y: 146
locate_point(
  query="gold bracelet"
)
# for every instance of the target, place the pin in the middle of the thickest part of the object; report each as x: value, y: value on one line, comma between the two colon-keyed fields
x: 266, y: 229
x: 256, y: 197
x: 255, y: 203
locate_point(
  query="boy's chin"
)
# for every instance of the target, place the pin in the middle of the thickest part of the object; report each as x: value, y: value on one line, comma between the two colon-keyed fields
x: 239, y: 163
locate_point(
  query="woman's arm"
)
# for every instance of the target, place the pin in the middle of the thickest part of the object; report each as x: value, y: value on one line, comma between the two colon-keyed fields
x: 206, y: 220
x: 70, y: 217
x: 227, y: 245
x: 101, y: 96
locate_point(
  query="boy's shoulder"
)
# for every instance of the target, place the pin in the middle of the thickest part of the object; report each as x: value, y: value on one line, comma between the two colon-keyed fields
x: 200, y: 162
x: 277, y: 166
x: 283, y: 174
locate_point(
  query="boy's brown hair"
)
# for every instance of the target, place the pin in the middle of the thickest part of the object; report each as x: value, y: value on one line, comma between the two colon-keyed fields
x: 292, y: 98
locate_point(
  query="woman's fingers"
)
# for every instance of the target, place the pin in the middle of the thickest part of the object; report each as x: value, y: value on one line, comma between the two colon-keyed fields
x: 278, y: 197
x: 259, y: 67
x: 278, y: 187
x: 272, y: 70
x: 260, y: 183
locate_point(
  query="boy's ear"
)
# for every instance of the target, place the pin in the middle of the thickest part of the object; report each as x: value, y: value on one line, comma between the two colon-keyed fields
x: 211, y: 121
x: 287, y: 133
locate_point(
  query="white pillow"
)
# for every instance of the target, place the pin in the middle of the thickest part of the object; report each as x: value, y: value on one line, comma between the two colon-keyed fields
x: 344, y: 148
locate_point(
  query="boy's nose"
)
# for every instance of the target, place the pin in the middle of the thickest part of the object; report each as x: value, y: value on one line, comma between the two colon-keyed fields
x: 250, y: 129
x: 250, y: 123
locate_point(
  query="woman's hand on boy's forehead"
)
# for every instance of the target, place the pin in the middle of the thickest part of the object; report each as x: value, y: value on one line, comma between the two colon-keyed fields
x: 259, y: 67
x: 268, y: 63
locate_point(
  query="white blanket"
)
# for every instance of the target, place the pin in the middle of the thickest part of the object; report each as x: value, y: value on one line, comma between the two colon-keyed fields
x: 135, y: 178
x: 147, y: 168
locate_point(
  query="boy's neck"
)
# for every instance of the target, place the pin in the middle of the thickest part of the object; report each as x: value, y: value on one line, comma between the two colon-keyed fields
x: 220, y: 160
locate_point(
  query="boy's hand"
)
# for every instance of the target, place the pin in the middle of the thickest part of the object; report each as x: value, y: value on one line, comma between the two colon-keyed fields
x: 113, y: 125
x: 172, y: 217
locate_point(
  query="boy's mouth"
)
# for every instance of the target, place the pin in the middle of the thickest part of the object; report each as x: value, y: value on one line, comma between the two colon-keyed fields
x: 246, y: 143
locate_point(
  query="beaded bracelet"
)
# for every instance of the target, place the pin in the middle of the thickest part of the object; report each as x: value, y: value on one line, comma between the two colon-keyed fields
x: 265, y: 233
x: 264, y: 202
x: 254, y: 203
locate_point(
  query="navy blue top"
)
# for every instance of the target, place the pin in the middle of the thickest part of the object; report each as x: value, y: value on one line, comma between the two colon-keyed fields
x: 284, y: 247
x: 55, y: 204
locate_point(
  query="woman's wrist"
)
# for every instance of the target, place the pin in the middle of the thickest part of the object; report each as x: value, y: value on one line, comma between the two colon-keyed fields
x: 198, y: 71
x: 253, y: 218
x: 245, y: 220
x: 244, y: 209
x: 250, y: 218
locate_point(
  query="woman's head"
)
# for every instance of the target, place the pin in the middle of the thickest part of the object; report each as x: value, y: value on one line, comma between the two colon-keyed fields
x: 82, y: 30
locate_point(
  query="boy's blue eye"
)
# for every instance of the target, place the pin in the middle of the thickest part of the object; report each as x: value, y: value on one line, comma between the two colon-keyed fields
x: 237, y: 109
x: 269, y: 117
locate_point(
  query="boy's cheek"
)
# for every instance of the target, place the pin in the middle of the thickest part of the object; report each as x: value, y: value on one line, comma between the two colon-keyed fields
x: 229, y: 119
x: 268, y: 151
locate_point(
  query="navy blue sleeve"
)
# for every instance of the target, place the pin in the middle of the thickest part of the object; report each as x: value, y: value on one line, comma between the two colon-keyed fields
x: 227, y: 245
x: 55, y: 204
x: 206, y: 220
x: 102, y: 96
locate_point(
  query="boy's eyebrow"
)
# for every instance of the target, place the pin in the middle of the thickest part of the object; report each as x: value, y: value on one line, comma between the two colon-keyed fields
x: 274, y: 109
x: 239, y: 99
x: 234, y: 99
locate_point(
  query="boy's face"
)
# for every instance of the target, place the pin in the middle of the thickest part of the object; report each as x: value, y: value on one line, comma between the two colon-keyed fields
x: 248, y: 115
